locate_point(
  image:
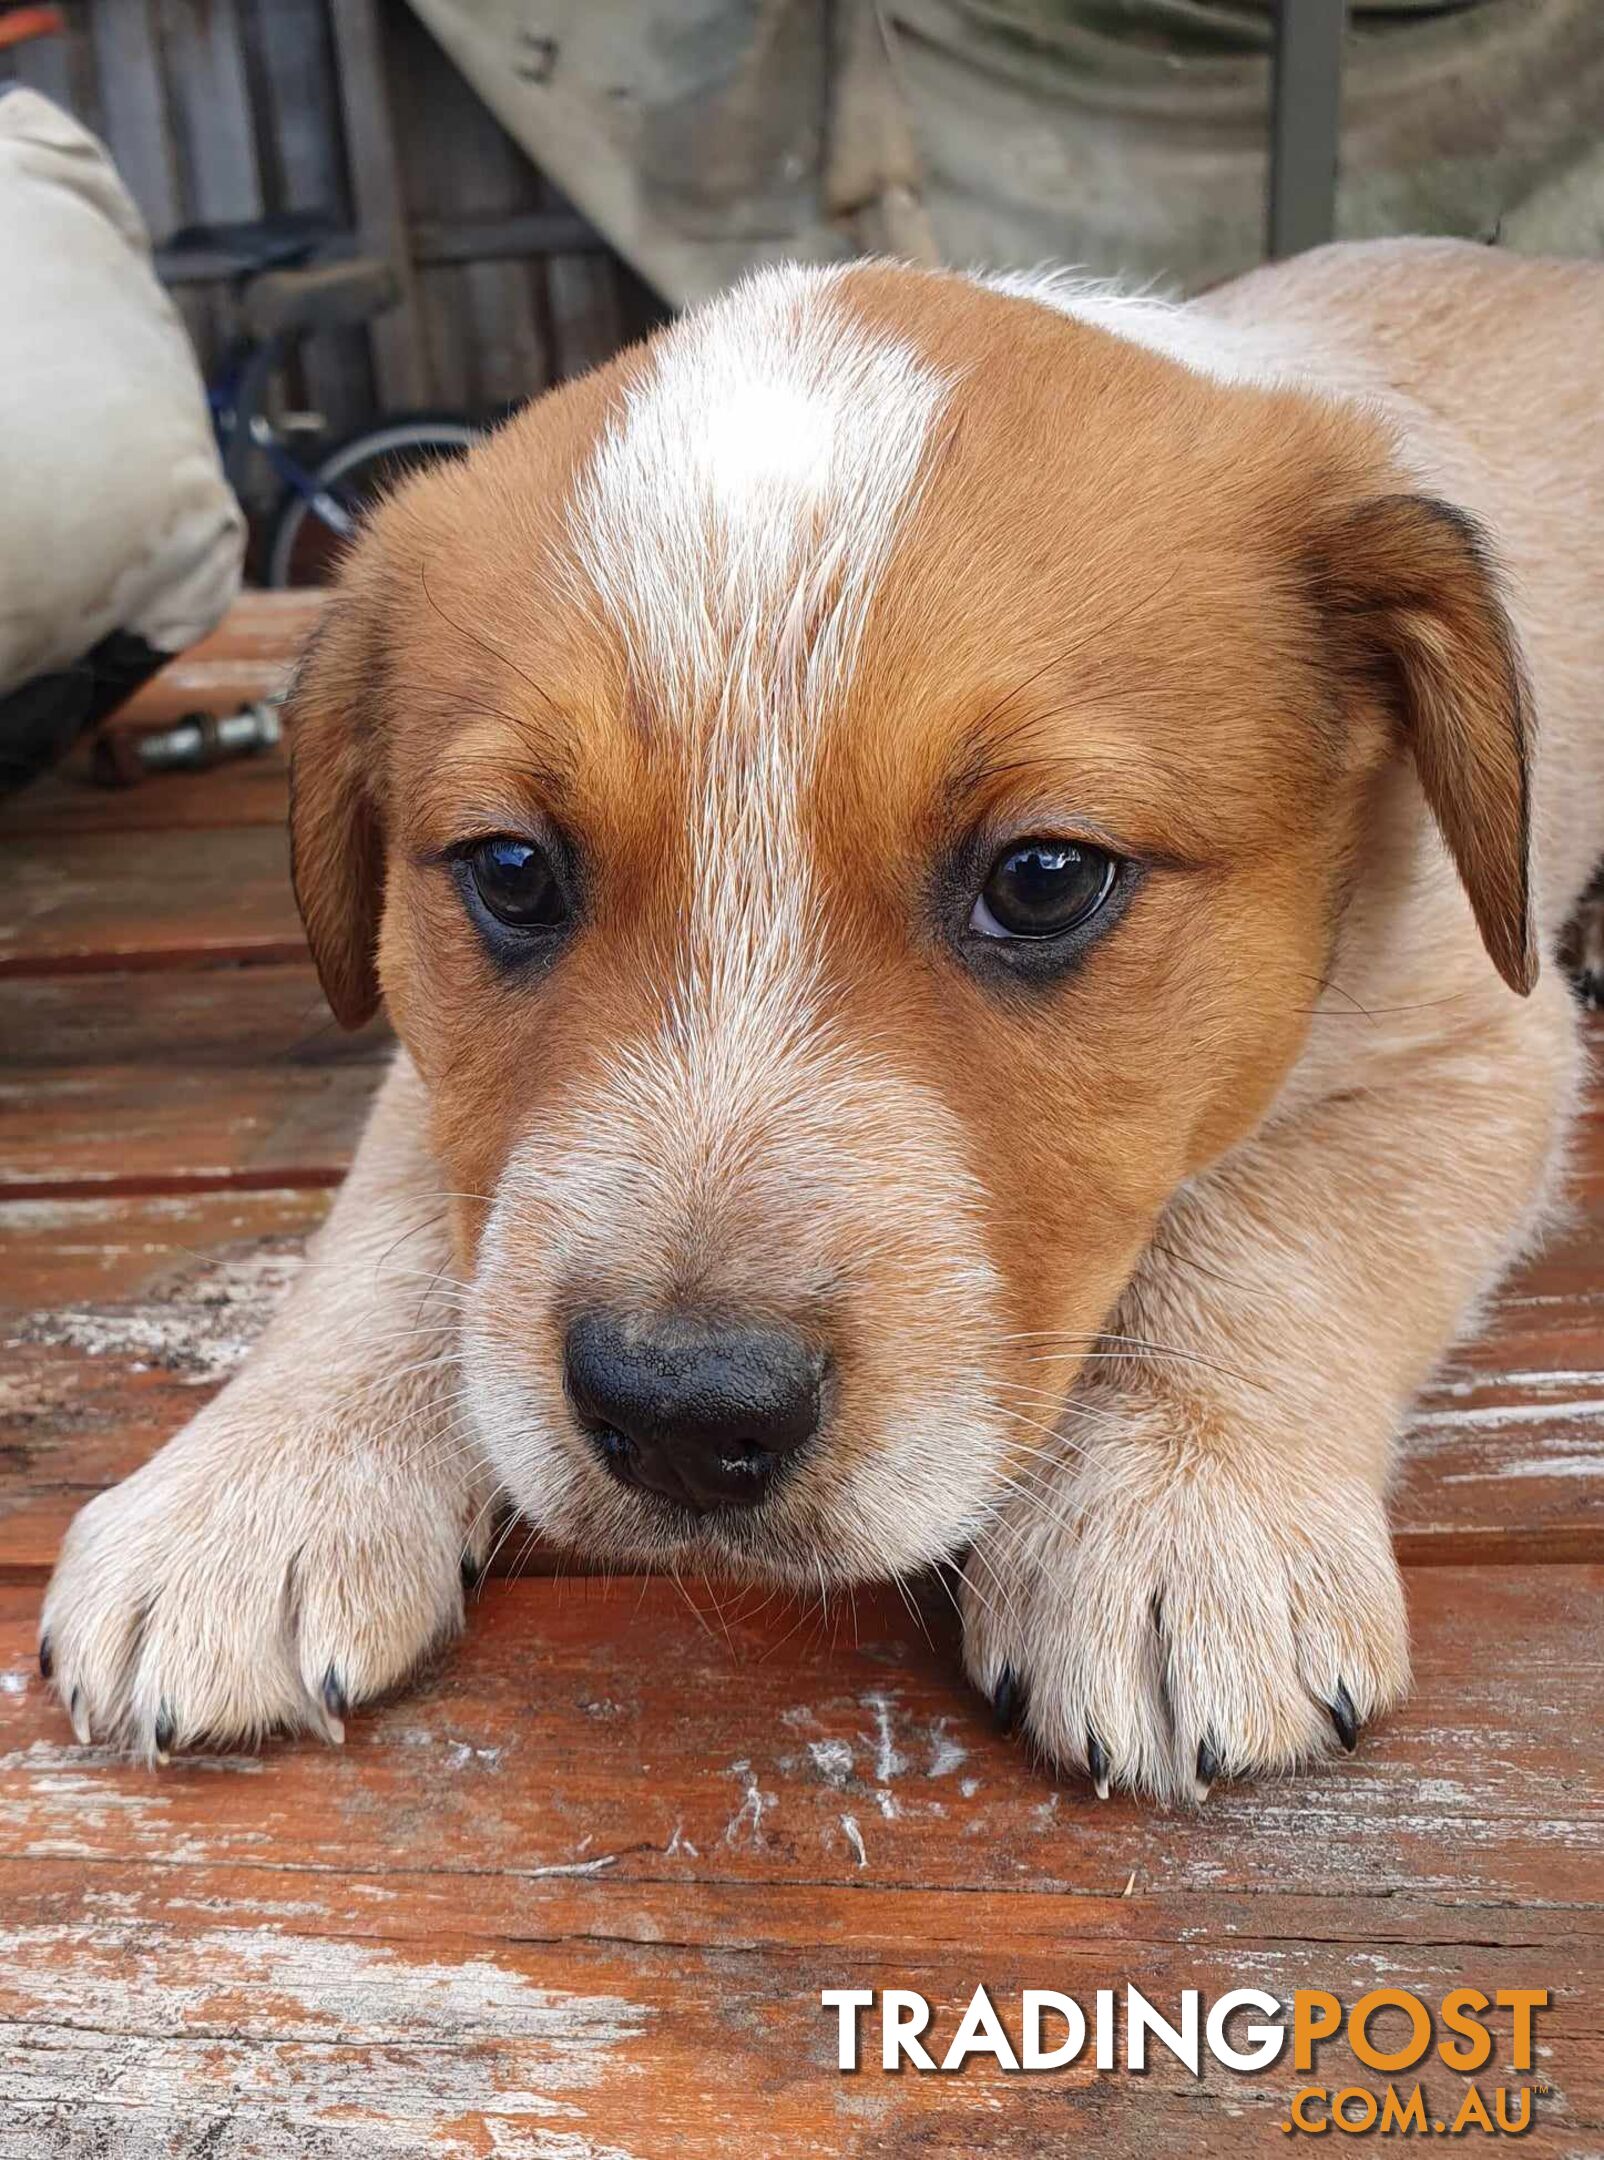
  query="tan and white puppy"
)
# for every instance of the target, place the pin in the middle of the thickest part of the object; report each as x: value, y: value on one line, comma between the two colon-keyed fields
x: 961, y: 868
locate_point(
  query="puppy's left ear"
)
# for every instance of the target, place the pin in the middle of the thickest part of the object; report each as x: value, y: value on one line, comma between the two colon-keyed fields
x: 336, y: 822
x: 1411, y: 595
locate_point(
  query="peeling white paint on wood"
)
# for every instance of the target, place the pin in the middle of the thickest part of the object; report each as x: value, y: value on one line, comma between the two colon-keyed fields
x: 200, y: 1326
x: 297, y: 2040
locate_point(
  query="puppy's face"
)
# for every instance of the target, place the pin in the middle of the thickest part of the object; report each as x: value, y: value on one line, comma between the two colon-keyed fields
x: 862, y: 791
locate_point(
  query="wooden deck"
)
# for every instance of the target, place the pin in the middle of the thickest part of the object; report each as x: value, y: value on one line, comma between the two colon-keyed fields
x: 574, y: 1898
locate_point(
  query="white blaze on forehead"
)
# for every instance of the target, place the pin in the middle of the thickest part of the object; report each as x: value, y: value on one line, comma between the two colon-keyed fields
x: 732, y: 527
x: 742, y: 504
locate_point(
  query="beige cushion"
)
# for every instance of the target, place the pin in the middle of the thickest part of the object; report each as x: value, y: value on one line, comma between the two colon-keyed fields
x: 114, y: 514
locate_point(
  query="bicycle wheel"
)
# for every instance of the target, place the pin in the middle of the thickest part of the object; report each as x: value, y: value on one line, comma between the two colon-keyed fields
x: 309, y: 537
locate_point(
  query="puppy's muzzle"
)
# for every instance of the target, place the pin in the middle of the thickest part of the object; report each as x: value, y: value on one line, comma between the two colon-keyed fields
x: 703, y: 1411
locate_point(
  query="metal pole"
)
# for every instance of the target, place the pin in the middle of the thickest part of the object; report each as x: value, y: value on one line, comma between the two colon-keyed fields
x: 1305, y: 117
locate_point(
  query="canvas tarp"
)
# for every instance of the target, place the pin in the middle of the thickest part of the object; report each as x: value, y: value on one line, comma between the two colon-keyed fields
x: 1122, y: 135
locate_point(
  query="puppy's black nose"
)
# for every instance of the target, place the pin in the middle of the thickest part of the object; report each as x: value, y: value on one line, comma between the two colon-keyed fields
x: 699, y: 1409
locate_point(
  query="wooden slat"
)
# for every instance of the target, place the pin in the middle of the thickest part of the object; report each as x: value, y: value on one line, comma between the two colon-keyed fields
x: 209, y: 119
x: 1482, y: 1789
x: 244, y: 791
x: 364, y: 2016
x: 591, y: 1877
x: 491, y: 239
x: 212, y: 112
x: 291, y: 58
x: 484, y: 328
x: 375, y: 169
x: 70, y: 903
x: 157, y: 1082
x: 586, y: 317
x: 261, y: 633
x: 133, y: 109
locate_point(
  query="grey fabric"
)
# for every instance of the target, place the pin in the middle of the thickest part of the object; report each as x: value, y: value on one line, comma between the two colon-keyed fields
x: 1124, y: 135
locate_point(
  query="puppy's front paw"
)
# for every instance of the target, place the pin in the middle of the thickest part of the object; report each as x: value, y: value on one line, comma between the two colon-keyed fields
x: 243, y: 1583
x: 1162, y: 1617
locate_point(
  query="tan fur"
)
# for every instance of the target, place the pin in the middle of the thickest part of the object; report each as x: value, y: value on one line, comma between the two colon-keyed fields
x: 1128, y: 1283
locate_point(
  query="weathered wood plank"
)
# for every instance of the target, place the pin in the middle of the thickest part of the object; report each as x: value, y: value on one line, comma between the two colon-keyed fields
x: 243, y: 791
x: 374, y: 164
x: 75, y: 902
x: 211, y: 113
x: 133, y: 109
x: 608, y: 1725
x: 584, y: 312
x: 214, y: 143
x: 482, y: 323
x: 290, y: 59
x: 374, y: 2016
x: 156, y: 1082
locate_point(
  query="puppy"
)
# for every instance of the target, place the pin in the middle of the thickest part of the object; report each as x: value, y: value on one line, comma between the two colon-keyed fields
x: 960, y: 866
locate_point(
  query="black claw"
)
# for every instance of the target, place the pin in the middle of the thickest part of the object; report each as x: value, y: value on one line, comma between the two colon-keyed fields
x: 81, y: 1731
x: 1007, y: 1700
x: 166, y: 1728
x: 334, y: 1696
x: 1097, y: 1764
x: 47, y: 1658
x: 1344, y: 1717
x: 1208, y: 1762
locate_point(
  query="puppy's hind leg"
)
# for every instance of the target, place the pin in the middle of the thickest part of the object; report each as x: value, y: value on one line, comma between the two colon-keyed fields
x: 300, y: 1545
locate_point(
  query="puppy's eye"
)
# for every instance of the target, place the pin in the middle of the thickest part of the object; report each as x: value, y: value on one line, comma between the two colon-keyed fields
x: 517, y: 883
x: 1043, y: 889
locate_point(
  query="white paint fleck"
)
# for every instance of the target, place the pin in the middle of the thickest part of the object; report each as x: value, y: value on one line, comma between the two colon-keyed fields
x: 750, y: 1812
x: 459, y: 1755
x: 854, y: 1837
x: 832, y: 1759
x: 889, y: 1762
x: 946, y: 1755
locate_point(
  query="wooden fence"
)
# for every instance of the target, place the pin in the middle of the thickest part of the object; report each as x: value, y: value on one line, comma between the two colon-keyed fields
x: 226, y: 109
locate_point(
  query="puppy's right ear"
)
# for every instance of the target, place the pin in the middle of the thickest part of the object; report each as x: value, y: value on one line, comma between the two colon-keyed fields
x: 336, y: 821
